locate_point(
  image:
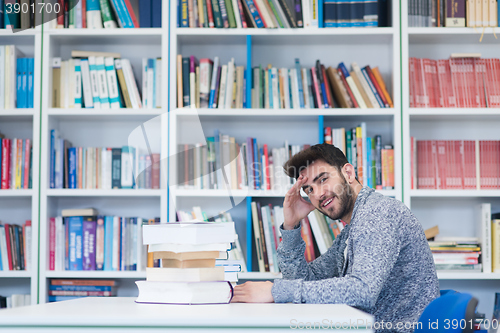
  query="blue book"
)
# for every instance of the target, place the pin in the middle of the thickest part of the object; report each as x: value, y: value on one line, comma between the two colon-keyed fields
x: 320, y: 14
x: 330, y: 14
x: 2, y: 18
x: 299, y: 80
x: 31, y: 82
x: 343, y: 13
x: 255, y: 13
x: 72, y: 167
x: 63, y: 298
x: 122, y: 13
x: 213, y: 83
x: 371, y: 10
x: 19, y: 83
x: 372, y: 87
x: 184, y: 14
x: 108, y: 243
x: 11, y: 18
x: 256, y: 163
x: 152, y: 64
x: 498, y: 11
x: 156, y: 13
x: 133, y: 246
x: 24, y: 83
x: 309, y: 87
x: 75, y: 243
x: 357, y: 11
x: 245, y: 90
x: 368, y: 168
x: 145, y: 14
x: 80, y: 288
x: 270, y: 87
x: 126, y: 14
x: 123, y: 244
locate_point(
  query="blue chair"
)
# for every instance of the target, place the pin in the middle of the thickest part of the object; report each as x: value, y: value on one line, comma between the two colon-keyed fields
x: 452, y: 311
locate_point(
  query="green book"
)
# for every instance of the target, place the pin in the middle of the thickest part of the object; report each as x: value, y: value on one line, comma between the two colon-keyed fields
x: 348, y: 138
x: 373, y: 164
x: 230, y: 13
x: 107, y: 19
x: 275, y: 13
x: 72, y: 13
x: 217, y: 15
x: 205, y: 13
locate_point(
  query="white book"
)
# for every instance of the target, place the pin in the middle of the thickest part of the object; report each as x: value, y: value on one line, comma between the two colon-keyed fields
x: 364, y: 154
x: 268, y: 17
x: 78, y: 15
x: 286, y: 87
x: 78, y: 84
x: 274, y: 82
x: 278, y: 219
x: 72, y: 83
x: 87, y: 85
x: 114, y: 95
x: 483, y: 231
x: 102, y: 83
x: 94, y: 20
x: 189, y: 233
x: 158, y: 84
x: 127, y: 167
x: 318, y: 235
x: 28, y: 254
x: 306, y: 13
x: 106, y: 168
x: 355, y: 92
x: 295, y: 88
x: 115, y: 261
x: 205, y: 82
x: 144, y: 81
x: 192, y: 87
x: 60, y: 244
x: 237, y: 16
x: 135, y: 98
x: 314, y: 13
x: 2, y: 75
x: 281, y: 14
x: 364, y: 84
x: 12, y: 54
x: 151, y: 85
x: 229, y: 84
x: 3, y: 249
x: 222, y: 91
x: 94, y: 83
x: 305, y: 88
x: 63, y: 85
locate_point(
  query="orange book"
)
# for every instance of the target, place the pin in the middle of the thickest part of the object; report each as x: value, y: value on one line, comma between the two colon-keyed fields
x: 150, y: 261
x: 390, y: 163
x: 381, y: 83
x: 306, y: 234
x: 359, y: 148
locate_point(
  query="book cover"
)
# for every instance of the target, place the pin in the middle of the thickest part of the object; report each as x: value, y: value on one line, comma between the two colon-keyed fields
x: 89, y: 243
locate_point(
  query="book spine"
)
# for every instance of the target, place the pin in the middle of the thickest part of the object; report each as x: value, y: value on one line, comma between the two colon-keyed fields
x: 116, y: 167
x: 106, y: 15
x: 114, y: 94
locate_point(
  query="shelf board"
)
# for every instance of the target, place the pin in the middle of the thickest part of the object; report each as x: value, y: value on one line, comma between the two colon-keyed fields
x: 27, y: 32
x: 17, y: 112
x: 455, y: 113
x: 96, y: 274
x: 258, y: 276
x: 283, y: 112
x: 284, y: 32
x: 103, y: 112
x: 103, y: 193
x: 464, y: 275
x: 15, y: 274
x: 16, y: 193
x: 245, y: 193
x: 448, y: 31
x: 454, y: 193
x: 105, y: 32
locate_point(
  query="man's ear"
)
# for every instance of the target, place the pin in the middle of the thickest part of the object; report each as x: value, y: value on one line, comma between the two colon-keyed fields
x: 349, y: 173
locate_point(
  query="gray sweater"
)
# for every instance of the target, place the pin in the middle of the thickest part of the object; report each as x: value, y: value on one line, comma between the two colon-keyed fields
x: 389, y: 271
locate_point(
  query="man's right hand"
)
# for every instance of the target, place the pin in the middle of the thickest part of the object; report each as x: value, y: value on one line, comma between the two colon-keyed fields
x: 295, y: 208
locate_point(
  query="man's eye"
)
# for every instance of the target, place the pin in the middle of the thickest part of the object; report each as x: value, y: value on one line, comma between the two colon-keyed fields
x: 323, y: 179
x: 309, y: 190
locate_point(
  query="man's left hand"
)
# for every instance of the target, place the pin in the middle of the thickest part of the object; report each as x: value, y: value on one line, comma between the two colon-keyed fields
x: 253, y: 292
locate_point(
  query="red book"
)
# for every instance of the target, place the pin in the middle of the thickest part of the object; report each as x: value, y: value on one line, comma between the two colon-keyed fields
x: 26, y: 158
x: 155, y: 171
x: 442, y: 163
x: 351, y: 95
x: 210, y: 14
x: 132, y: 14
x: 458, y: 165
x: 413, y: 82
x: 84, y: 14
x: 328, y: 135
x: 480, y: 77
x: 260, y: 15
x: 452, y: 97
x: 435, y: 84
x: 242, y: 15
x: 306, y: 234
x: 454, y: 81
x: 5, y: 164
x: 412, y: 159
x: 9, y: 246
x: 482, y: 165
x: 329, y: 96
x: 60, y: 15
x: 268, y: 176
x: 377, y: 86
x: 52, y: 243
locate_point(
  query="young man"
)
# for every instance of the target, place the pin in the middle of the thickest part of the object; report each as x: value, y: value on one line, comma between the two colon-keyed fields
x: 380, y: 263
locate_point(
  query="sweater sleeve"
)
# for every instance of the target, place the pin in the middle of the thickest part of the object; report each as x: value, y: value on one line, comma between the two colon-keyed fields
x: 375, y: 245
x: 292, y: 261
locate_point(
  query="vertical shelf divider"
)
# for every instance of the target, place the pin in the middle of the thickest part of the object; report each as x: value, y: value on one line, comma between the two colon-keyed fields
x: 248, y: 103
x: 249, y: 234
x: 321, y: 125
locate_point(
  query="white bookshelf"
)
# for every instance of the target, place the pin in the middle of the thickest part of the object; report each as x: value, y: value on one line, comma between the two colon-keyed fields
x: 17, y: 206
x: 278, y: 47
x: 454, y: 211
x: 102, y: 128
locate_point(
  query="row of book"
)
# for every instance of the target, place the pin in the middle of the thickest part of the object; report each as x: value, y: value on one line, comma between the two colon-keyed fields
x: 373, y: 161
x: 67, y: 289
x: 91, y: 14
x: 16, y: 163
x: 104, y: 82
x: 452, y: 254
x: 17, y: 78
x: 208, y: 84
x: 318, y: 232
x: 15, y: 246
x: 266, y: 220
x: 455, y: 164
x: 280, y: 13
x: 245, y: 166
x: 81, y: 239
x: 14, y: 301
x: 455, y: 82
x: 452, y: 13
x: 101, y: 168
x: 188, y: 276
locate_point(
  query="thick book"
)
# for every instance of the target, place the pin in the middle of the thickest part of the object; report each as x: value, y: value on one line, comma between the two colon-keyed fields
x: 79, y: 212
x: 188, y: 255
x: 189, y: 263
x: 185, y: 274
x: 189, y: 233
x: 207, y: 292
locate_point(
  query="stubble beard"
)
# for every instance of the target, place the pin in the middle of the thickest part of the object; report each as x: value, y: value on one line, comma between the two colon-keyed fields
x: 346, y: 202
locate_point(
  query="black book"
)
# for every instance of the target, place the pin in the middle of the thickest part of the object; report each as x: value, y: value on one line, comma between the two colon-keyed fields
x: 116, y: 168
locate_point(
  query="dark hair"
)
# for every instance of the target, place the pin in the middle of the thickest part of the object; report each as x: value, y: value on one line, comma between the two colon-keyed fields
x: 323, y: 151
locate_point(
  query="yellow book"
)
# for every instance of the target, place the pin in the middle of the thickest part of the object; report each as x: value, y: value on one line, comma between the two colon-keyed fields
x: 123, y: 85
x: 495, y: 246
x: 359, y: 151
x: 381, y: 83
x: 180, y: 101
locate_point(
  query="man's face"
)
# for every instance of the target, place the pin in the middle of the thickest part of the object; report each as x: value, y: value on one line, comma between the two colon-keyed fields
x: 328, y: 189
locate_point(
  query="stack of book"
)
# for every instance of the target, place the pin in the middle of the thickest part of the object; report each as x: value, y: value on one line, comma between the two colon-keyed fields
x: 212, y: 85
x: 15, y: 163
x: 15, y: 246
x: 188, y: 272
x: 104, y: 80
x: 14, y: 301
x: 247, y: 165
x: 451, y: 254
x: 101, y: 168
x: 67, y: 289
x: 372, y: 161
x: 452, y: 13
x: 455, y: 164
x: 81, y: 239
x: 462, y: 81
